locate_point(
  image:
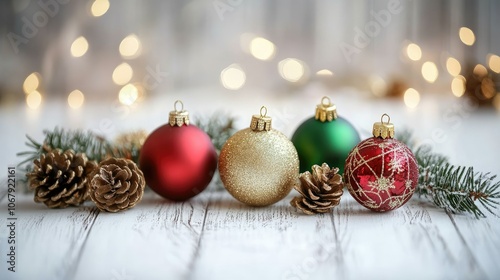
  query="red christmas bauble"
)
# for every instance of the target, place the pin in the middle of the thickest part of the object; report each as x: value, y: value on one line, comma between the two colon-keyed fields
x: 178, y: 162
x: 381, y: 174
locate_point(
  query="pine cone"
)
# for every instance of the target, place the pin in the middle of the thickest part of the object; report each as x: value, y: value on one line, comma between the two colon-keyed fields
x: 117, y: 184
x: 60, y: 179
x: 320, y: 190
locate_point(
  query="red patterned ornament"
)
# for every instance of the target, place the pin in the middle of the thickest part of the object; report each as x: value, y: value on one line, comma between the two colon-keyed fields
x: 178, y: 159
x: 381, y: 173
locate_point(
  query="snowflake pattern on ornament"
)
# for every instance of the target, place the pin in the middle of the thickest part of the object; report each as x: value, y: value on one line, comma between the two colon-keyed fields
x: 382, y: 183
x: 381, y: 174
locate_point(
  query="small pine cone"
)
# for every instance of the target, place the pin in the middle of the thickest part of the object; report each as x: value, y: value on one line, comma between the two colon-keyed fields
x: 116, y: 184
x: 60, y: 179
x: 321, y: 190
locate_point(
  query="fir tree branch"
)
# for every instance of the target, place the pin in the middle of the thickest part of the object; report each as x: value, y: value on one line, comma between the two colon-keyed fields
x: 457, y: 189
x: 94, y: 146
x: 218, y: 126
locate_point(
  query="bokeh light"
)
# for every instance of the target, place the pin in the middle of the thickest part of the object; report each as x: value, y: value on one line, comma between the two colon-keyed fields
x: 233, y: 77
x: 378, y: 86
x: 458, y: 86
x: 496, y: 101
x: 34, y: 100
x: 467, y: 36
x: 31, y: 83
x: 488, y: 88
x: 453, y: 66
x: 79, y: 47
x: 75, y: 99
x: 414, y: 52
x: 480, y: 71
x: 130, y: 46
x: 128, y: 94
x: 122, y: 74
x: 430, y: 72
x: 324, y: 72
x: 291, y: 69
x: 99, y: 7
x: 494, y: 63
x: 262, y: 49
x: 411, y: 98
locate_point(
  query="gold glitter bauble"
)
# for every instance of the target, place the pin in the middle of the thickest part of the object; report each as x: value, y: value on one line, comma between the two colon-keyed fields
x: 259, y: 165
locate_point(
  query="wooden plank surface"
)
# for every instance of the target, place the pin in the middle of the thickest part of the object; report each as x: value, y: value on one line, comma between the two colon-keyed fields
x: 48, y: 241
x: 215, y: 237
x: 413, y: 242
x: 241, y: 242
x: 482, y: 238
x: 156, y: 240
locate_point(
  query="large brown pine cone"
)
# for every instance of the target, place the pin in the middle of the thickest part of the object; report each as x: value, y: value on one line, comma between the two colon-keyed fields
x: 60, y: 179
x: 321, y: 190
x: 117, y: 184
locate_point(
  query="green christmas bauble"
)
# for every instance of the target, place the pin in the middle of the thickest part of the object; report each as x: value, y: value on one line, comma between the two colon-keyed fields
x: 324, y: 138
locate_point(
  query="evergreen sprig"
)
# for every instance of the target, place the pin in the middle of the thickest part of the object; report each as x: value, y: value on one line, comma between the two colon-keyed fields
x: 457, y: 189
x: 218, y: 126
x: 93, y: 145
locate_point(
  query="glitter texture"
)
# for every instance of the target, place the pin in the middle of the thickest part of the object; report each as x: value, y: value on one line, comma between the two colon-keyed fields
x: 259, y: 168
x: 381, y: 174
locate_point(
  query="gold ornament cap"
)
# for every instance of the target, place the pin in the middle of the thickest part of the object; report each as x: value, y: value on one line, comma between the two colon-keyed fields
x: 178, y: 117
x: 326, y: 110
x: 261, y: 122
x: 383, y: 129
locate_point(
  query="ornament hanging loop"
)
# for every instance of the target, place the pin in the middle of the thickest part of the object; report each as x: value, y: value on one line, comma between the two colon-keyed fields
x: 383, y: 129
x: 175, y: 106
x: 178, y: 117
x: 265, y: 111
x: 261, y: 122
x: 326, y: 111
x: 328, y: 101
x: 388, y: 118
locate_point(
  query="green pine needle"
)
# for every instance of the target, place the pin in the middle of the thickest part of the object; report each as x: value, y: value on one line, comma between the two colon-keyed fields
x: 219, y: 128
x: 94, y: 146
x: 457, y: 189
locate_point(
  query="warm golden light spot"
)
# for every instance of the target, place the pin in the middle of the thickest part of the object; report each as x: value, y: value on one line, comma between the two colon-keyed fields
x: 128, y: 94
x: 411, y: 98
x: 453, y: 66
x: 75, y: 99
x: 324, y: 72
x: 291, y: 69
x: 467, y: 36
x: 480, y: 71
x: 262, y: 49
x: 414, y: 52
x: 31, y: 83
x: 494, y: 63
x: 378, y: 86
x: 430, y: 72
x: 122, y: 74
x: 233, y: 77
x: 458, y: 86
x: 79, y: 47
x: 34, y: 100
x: 99, y: 7
x: 130, y: 47
x: 496, y: 101
x: 488, y: 88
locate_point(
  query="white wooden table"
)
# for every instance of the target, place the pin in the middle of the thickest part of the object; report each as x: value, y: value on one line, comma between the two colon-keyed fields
x: 212, y: 236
